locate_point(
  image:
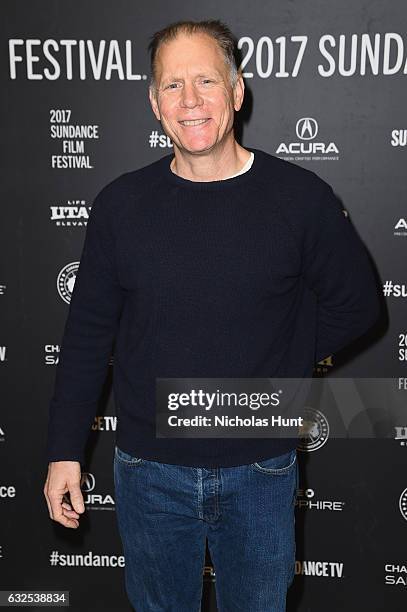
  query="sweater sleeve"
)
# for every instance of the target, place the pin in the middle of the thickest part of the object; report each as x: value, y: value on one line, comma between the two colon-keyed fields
x: 90, y: 328
x: 337, y: 268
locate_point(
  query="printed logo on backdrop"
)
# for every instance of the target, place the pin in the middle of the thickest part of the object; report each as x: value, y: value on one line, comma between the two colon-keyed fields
x: 95, y: 501
x: 159, y: 140
x: 320, y: 569
x: 403, y: 504
x: 3, y: 353
x: 7, y: 491
x: 314, y: 432
x: 392, y: 289
x: 398, y: 138
x: 282, y: 56
x: 104, y: 423
x: 66, y: 280
x: 51, y: 59
x: 306, y: 500
x: 401, y: 435
x: 73, y: 138
x: 396, y: 574
x: 402, y: 346
x: 306, y: 128
x: 74, y: 213
x: 2, y: 289
x: 400, y: 229
x: 345, y: 55
x: 306, y: 147
x: 51, y: 354
x: 2, y: 434
x: 323, y: 366
x: 89, y: 559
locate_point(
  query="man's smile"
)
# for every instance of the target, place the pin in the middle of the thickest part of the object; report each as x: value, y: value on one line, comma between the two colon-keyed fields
x: 194, y: 122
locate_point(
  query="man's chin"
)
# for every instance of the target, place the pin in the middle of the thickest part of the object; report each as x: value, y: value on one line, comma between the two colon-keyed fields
x: 196, y: 149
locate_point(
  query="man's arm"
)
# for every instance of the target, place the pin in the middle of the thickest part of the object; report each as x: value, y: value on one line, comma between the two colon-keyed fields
x: 337, y: 268
x: 89, y: 332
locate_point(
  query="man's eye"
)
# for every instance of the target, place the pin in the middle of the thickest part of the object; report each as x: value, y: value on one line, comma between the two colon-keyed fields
x: 207, y: 81
x: 171, y: 86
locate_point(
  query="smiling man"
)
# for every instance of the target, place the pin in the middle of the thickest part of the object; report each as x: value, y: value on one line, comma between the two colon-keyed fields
x: 216, y: 261
x: 195, y: 93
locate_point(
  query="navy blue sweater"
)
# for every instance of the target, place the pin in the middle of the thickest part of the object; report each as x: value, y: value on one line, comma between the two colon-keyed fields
x: 259, y: 275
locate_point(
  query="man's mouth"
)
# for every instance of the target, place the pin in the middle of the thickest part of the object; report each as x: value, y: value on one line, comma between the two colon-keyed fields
x: 193, y: 122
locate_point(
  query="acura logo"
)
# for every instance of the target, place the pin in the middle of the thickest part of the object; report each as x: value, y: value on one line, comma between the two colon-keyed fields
x: 87, y: 482
x: 306, y: 128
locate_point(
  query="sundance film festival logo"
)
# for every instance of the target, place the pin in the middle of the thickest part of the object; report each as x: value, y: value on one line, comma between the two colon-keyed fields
x: 282, y: 56
x: 306, y: 147
x: 314, y: 432
x: 66, y: 280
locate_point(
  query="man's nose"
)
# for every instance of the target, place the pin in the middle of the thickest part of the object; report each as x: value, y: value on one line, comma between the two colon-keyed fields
x: 190, y: 96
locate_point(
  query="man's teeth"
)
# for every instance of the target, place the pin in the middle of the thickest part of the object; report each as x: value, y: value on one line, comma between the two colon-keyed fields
x: 196, y: 122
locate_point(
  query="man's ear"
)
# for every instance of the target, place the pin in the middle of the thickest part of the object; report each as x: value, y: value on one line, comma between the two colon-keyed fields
x: 238, y: 92
x: 153, y: 102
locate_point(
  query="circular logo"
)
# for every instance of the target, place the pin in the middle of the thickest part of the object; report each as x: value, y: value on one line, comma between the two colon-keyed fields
x: 314, y: 431
x: 66, y: 280
x: 403, y: 504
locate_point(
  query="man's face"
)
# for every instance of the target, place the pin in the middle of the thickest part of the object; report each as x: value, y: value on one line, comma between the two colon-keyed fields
x: 193, y: 82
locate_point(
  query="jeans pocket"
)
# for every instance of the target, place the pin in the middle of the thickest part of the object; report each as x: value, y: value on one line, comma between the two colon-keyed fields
x: 126, y: 458
x: 279, y: 465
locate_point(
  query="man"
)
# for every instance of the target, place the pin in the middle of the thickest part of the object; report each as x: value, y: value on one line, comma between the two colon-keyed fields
x: 218, y: 261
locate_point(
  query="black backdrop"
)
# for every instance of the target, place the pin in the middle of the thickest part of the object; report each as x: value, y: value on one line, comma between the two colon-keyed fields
x: 325, y: 88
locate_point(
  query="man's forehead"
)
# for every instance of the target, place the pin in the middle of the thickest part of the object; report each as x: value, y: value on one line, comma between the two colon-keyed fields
x: 180, y: 72
x: 201, y: 62
x: 198, y: 39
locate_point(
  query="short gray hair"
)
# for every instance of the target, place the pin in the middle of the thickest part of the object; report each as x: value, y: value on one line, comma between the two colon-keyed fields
x: 212, y: 27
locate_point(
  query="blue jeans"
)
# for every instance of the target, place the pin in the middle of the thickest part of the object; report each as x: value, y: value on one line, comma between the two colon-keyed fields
x: 165, y: 513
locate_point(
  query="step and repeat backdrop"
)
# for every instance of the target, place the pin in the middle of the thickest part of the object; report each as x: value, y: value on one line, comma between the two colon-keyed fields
x: 325, y: 89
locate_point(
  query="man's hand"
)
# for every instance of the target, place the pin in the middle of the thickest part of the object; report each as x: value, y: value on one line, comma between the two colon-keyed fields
x: 64, y: 477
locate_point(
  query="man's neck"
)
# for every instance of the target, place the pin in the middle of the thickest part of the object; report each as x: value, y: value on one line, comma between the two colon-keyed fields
x: 210, y: 167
